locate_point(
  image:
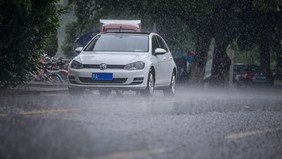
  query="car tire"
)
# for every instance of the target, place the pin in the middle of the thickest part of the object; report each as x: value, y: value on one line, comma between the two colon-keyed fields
x: 137, y: 93
x: 149, y: 91
x: 75, y: 91
x: 171, y: 90
x: 105, y: 92
x: 119, y: 93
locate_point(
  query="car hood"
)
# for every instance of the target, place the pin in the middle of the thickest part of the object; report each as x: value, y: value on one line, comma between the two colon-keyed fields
x: 110, y: 58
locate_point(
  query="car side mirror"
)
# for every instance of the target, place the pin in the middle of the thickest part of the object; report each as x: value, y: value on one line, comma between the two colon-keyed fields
x: 78, y: 50
x: 159, y: 51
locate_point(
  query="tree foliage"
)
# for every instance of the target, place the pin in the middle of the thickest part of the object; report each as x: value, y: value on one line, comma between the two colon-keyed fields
x: 226, y: 21
x: 24, y: 28
x: 68, y: 44
x: 51, y: 45
x: 177, y: 34
x: 262, y: 30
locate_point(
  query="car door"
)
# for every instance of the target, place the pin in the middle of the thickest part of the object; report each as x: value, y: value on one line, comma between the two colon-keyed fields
x: 159, y: 62
x: 167, y: 62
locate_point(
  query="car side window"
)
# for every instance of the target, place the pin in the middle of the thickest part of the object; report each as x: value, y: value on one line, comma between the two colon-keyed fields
x: 162, y: 43
x: 155, y: 43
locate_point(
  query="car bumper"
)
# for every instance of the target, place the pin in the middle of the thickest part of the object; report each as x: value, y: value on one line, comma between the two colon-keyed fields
x: 122, y: 79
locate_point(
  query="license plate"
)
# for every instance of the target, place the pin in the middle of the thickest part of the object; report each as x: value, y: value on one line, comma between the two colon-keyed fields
x: 102, y: 76
x: 261, y: 77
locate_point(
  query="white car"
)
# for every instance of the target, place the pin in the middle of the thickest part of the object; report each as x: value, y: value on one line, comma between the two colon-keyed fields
x: 123, y: 61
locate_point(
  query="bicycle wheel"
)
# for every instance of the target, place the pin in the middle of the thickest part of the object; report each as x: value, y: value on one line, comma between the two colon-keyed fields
x: 64, y: 75
x: 55, y: 78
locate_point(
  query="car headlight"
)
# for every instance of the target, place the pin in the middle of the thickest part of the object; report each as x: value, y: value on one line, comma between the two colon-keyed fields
x: 76, y: 65
x: 139, y: 65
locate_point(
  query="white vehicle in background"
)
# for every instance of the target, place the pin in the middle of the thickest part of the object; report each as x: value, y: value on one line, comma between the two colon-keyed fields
x: 123, y: 61
x: 112, y: 25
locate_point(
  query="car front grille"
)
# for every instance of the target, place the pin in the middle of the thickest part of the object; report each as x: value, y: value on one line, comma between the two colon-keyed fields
x: 114, y: 81
x: 108, y: 66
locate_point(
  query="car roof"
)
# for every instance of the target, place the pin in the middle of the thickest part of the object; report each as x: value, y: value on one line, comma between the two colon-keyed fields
x: 141, y: 33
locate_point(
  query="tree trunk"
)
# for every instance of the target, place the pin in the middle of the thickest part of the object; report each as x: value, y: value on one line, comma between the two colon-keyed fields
x: 264, y: 53
x: 197, y: 69
x: 225, y: 30
x: 275, y: 44
x: 221, y: 64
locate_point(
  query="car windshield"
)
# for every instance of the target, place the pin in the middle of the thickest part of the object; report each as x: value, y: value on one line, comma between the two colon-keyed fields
x: 119, y: 43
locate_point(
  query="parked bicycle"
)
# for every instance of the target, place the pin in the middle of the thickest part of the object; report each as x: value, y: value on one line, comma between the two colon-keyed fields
x: 45, y: 74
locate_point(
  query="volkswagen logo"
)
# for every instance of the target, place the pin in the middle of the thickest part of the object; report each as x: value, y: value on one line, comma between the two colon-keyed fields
x: 103, y: 66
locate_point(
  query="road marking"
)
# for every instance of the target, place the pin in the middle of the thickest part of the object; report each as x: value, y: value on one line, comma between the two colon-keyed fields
x: 132, y: 154
x: 48, y: 111
x: 3, y: 115
x: 89, y: 108
x: 251, y: 133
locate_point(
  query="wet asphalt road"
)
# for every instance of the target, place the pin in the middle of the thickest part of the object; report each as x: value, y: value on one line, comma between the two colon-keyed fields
x: 196, y: 123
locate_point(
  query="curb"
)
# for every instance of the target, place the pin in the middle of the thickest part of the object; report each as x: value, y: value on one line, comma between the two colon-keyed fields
x: 13, y: 92
x: 35, y: 88
x: 42, y: 84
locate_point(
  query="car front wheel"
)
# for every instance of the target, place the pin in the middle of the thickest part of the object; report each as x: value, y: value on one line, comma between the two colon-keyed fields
x: 171, y: 90
x: 149, y: 91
